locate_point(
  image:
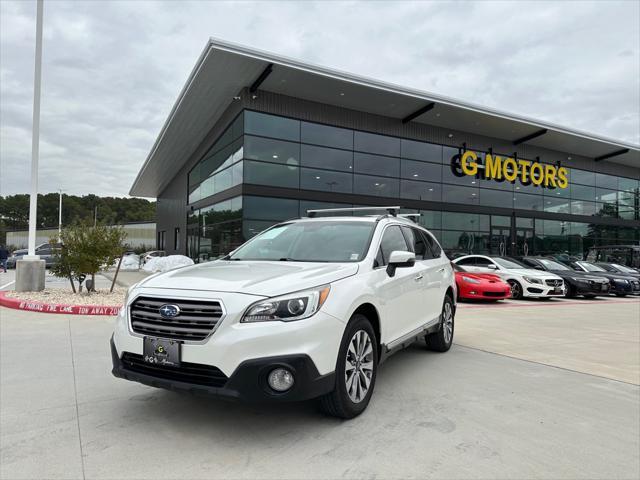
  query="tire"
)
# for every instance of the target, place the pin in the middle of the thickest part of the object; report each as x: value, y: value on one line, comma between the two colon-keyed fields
x: 346, y: 400
x: 571, y: 291
x: 516, y: 289
x: 441, y: 340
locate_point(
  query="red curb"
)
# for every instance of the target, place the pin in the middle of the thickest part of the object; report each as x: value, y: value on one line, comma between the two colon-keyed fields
x: 33, y: 306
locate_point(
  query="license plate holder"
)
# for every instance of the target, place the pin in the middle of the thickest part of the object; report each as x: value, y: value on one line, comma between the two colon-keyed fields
x: 162, y: 351
x: 604, y: 287
x: 557, y: 290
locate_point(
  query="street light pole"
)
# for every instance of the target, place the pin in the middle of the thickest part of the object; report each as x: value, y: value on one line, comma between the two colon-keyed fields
x: 30, y: 270
x: 60, y: 217
x: 35, y: 137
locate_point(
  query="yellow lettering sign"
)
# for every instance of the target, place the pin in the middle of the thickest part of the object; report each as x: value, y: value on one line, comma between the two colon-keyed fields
x: 469, y: 167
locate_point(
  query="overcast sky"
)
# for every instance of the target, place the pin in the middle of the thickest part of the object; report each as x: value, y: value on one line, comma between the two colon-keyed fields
x: 112, y: 70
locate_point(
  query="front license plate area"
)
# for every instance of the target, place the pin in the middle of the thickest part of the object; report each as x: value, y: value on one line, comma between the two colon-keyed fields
x: 161, y: 351
x: 557, y: 290
x: 604, y: 287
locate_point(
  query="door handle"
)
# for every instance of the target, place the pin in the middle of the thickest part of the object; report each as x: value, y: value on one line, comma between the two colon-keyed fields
x: 418, y: 278
x: 441, y: 270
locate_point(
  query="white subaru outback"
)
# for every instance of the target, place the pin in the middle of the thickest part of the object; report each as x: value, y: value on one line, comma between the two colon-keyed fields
x: 307, y: 309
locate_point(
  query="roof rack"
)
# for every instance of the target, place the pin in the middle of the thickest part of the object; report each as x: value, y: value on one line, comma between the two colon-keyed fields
x: 393, y: 211
x: 412, y: 216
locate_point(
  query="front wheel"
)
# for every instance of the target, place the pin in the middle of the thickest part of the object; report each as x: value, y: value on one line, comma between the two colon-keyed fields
x: 516, y: 290
x: 441, y: 340
x: 356, y: 370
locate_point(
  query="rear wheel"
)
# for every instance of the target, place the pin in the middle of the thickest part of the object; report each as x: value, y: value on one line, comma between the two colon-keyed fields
x: 441, y: 340
x: 516, y: 289
x: 356, y: 370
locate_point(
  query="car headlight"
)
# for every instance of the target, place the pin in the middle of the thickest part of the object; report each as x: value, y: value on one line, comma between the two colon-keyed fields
x: 470, y: 280
x: 582, y: 280
x: 287, y: 308
x: 622, y: 280
x: 533, y: 280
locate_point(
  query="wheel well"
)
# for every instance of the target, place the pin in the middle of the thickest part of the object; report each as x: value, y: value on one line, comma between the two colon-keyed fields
x: 450, y: 293
x: 371, y: 313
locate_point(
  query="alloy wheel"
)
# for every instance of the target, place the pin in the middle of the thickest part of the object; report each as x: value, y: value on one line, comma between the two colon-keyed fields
x: 358, y: 370
x: 515, y: 290
x: 447, y: 322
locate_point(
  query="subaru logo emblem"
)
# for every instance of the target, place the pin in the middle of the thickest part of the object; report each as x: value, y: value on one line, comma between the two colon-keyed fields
x: 169, y: 311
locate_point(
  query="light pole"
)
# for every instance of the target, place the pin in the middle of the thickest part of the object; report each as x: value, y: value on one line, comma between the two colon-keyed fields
x: 30, y: 270
x: 60, y: 217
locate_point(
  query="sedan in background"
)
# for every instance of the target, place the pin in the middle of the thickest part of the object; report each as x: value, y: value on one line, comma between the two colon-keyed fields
x: 578, y: 283
x: 45, y: 251
x: 617, y: 268
x: 524, y: 281
x: 480, y: 286
x: 621, y: 284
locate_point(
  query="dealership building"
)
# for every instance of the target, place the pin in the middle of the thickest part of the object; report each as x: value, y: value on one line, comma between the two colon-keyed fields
x: 256, y: 138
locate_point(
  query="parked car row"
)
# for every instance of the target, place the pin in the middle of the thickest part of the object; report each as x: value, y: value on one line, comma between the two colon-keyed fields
x: 487, y: 278
x: 45, y: 251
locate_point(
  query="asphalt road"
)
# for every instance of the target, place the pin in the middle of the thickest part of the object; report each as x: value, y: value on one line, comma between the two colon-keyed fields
x: 468, y: 413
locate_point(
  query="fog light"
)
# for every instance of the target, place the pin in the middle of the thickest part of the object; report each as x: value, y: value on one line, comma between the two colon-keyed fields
x: 280, y: 379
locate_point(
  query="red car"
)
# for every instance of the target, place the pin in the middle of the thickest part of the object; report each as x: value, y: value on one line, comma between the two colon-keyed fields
x: 480, y: 286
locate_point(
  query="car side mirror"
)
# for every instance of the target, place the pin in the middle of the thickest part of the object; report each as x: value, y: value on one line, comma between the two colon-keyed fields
x: 491, y: 266
x: 400, y: 259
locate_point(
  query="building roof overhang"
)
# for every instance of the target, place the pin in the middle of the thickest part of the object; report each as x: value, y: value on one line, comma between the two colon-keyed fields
x: 224, y: 69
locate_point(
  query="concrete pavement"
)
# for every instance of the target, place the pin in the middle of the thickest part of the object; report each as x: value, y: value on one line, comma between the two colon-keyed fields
x: 464, y: 414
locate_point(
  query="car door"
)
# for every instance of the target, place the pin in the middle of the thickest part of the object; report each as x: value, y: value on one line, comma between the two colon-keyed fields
x: 427, y: 276
x: 400, y: 296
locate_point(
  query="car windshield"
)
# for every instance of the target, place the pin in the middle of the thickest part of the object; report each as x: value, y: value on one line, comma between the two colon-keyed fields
x: 552, y: 264
x: 590, y: 267
x: 510, y: 263
x: 622, y: 268
x: 308, y: 241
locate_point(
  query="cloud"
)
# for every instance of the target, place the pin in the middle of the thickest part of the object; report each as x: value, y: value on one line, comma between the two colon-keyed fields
x: 112, y: 70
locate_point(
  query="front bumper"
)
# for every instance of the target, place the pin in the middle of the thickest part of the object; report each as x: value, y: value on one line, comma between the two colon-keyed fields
x: 248, y: 383
x: 535, y: 290
x: 592, y: 288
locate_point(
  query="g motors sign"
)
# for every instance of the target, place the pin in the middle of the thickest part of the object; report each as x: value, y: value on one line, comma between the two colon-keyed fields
x: 510, y: 169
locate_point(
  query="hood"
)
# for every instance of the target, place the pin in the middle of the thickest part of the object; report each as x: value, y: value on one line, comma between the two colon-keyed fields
x: 490, y: 277
x: 266, y: 279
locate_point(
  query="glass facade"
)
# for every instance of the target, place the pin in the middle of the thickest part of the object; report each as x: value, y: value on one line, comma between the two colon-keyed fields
x: 266, y: 150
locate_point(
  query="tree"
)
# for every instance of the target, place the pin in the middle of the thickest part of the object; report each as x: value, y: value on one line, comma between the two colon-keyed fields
x: 87, y: 250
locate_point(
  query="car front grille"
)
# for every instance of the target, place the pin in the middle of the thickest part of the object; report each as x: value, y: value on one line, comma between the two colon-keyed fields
x: 495, y: 294
x: 195, y: 321
x: 193, y: 373
x: 554, y: 283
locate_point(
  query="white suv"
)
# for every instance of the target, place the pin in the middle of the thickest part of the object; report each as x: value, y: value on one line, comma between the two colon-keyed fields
x: 309, y: 308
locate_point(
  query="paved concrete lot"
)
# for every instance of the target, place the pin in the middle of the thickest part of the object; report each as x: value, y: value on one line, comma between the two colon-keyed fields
x: 469, y: 413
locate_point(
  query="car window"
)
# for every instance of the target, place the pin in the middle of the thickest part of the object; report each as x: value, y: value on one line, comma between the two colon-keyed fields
x: 483, y: 262
x: 436, y: 250
x: 467, y: 261
x: 417, y: 243
x: 510, y: 263
x: 392, y: 240
x: 552, y: 265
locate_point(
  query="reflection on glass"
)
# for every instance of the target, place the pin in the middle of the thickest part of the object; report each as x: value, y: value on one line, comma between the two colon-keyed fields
x: 426, y: 172
x: 329, y: 136
x: 378, y: 186
x: 267, y: 150
x: 421, y: 190
x: 326, y: 180
x: 329, y: 158
x: 458, y: 194
x: 267, y: 208
x: 376, y: 165
x: 496, y: 198
x: 374, y: 143
x: 272, y: 126
x: 271, y: 174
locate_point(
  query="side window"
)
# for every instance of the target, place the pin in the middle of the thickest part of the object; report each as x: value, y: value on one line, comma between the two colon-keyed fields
x: 436, y: 250
x: 417, y: 243
x: 392, y: 239
x: 483, y: 262
x: 467, y: 261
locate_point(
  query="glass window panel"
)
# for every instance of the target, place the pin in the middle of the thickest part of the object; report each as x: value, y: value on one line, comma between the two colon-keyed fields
x: 267, y: 208
x: 222, y: 180
x: 376, y: 165
x: 496, y: 185
x: 460, y: 221
x: 271, y: 126
x: 194, y: 176
x: 583, y: 207
x: 458, y: 194
x: 378, y: 186
x: 449, y: 177
x: 421, y: 190
x: 275, y: 151
x: 426, y: 172
x: 373, y: 143
x: 448, y: 153
x: 606, y: 181
x: 207, y: 188
x: 430, y: 219
x: 523, y: 222
x: 238, y: 126
x: 426, y: 152
x: 628, y: 214
x: 330, y: 158
x: 455, y: 243
x: 582, y: 177
x: 555, y: 227
x: 195, y: 195
x: 557, y: 192
x: 606, y: 210
x: 271, y: 174
x: 582, y: 192
x: 325, y: 180
x: 530, y: 189
x: 499, y: 221
x: 556, y: 205
x: 524, y: 201
x: 325, y: 135
x: 627, y: 184
x: 236, y: 173
x: 496, y: 198
x: 606, y: 196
